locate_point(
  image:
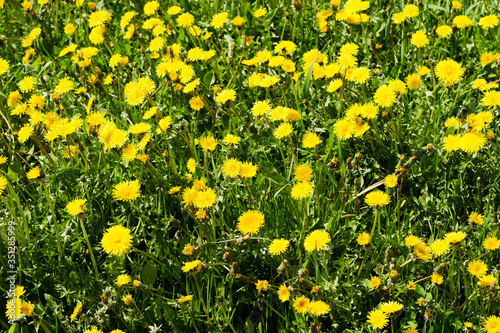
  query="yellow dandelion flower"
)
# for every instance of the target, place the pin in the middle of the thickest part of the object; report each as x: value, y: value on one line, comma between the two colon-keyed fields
x: 126, y: 191
x: 116, y: 240
x: 316, y: 240
x: 250, y: 222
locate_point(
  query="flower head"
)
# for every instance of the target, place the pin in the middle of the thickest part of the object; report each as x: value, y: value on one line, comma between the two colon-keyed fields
x: 261, y: 285
x: 283, y: 293
x: 127, y: 191
x: 317, y: 240
x: 390, y: 307
x: 76, y: 206
x: 377, y: 318
x: 278, y: 246
x: 302, y: 190
x: 477, y: 268
x: 301, y: 304
x: 377, y: 198
x: 318, y: 308
x: 250, y: 222
x: 363, y: 238
x: 492, y: 324
x: 189, y: 266
x: 116, y: 240
x: 122, y: 279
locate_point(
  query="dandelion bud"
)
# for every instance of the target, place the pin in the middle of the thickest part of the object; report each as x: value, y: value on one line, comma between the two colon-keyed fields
x: 490, y: 135
x: 358, y: 155
x: 297, y: 5
x: 226, y: 254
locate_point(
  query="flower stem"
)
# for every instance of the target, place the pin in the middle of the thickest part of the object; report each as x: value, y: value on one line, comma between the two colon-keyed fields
x: 90, y: 248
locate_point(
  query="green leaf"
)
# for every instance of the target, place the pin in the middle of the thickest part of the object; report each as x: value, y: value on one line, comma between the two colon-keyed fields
x: 14, y: 328
x: 149, y: 273
x: 14, y: 170
x: 431, y: 6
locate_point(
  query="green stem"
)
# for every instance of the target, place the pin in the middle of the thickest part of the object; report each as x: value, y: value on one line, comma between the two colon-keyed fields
x: 94, y: 264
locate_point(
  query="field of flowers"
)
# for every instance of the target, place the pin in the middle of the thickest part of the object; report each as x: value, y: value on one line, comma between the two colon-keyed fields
x: 231, y: 166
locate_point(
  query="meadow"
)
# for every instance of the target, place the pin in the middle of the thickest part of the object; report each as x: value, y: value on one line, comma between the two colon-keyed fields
x: 233, y: 166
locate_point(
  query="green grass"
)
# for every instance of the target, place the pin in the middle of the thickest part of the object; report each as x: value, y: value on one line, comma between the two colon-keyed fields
x: 437, y: 189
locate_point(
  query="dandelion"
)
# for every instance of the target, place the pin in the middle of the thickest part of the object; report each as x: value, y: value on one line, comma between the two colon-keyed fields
x: 122, y: 279
x: 99, y: 18
x: 390, y: 307
x: 487, y: 281
x: 491, y: 99
x: 205, y: 198
x: 491, y: 243
x: 302, y: 172
x: 301, y: 304
x: 284, y: 130
x: 283, y: 293
x: 413, y: 81
x: 250, y: 222
x: 302, y: 190
x: 116, y: 240
x: 185, y: 20
x: 34, y: 173
x: 127, y: 299
x: 477, y: 268
x: 492, y: 324
x: 261, y: 285
x: 455, y: 237
x: 126, y: 191
x: 437, y: 278
x: 278, y: 246
x: 232, y: 139
x: 27, y: 84
x: 411, y: 11
x: 444, y: 31
x: 399, y: 18
x: 218, y: 20
x: 248, y: 170
x: 188, y: 250
x: 225, y: 95
x: 449, y: 71
x: 317, y: 240
x: 462, y: 22
x: 377, y: 198
x: 76, y: 311
x: 64, y: 85
x: 4, y: 66
x: 377, y: 318
x: 384, y: 96
x: 363, y: 238
x: 375, y: 282
x: 192, y: 265
x: 184, y: 299
x: 310, y: 140
x: 476, y: 218
x: 76, y: 207
x: 422, y: 251
x: 440, y: 246
x: 208, y: 143
x: 318, y: 308
x: 489, y: 21
x: 419, y: 39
